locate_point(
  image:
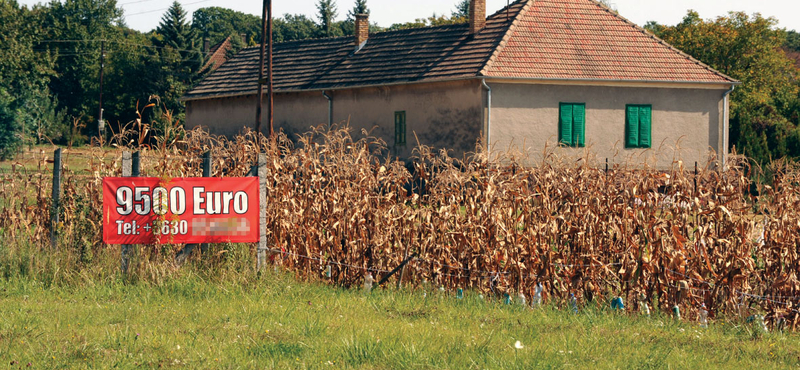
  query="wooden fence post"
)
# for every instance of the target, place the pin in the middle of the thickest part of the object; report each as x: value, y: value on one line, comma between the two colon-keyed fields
x: 130, y: 168
x: 55, y: 208
x: 261, y: 252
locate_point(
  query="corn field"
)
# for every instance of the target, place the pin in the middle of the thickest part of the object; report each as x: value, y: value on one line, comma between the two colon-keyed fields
x: 671, y: 237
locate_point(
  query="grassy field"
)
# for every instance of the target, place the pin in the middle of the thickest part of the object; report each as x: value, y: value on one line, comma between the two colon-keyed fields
x: 76, y: 159
x: 274, y: 321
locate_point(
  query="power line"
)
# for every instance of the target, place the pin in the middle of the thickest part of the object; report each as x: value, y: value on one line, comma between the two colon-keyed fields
x: 134, y: 2
x: 122, y: 42
x: 158, y: 10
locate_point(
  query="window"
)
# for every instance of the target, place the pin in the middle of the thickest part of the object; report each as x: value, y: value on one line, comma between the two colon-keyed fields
x: 400, y: 128
x: 572, y: 124
x: 638, y: 124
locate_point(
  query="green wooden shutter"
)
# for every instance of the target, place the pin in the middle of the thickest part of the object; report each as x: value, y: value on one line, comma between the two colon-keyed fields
x: 565, y: 124
x: 579, y: 125
x: 645, y: 121
x: 632, y: 126
x: 400, y: 127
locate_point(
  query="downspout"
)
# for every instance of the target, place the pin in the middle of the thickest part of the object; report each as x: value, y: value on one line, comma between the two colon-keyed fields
x: 330, y: 108
x: 726, y: 106
x: 488, y: 112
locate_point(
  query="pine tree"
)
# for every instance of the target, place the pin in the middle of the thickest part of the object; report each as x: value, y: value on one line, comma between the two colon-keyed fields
x: 180, y: 57
x: 462, y: 10
x: 175, y: 30
x: 327, y: 15
x: 359, y: 8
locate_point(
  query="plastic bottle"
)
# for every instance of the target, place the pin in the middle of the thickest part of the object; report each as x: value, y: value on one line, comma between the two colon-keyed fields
x: 328, y: 271
x: 537, y: 295
x: 460, y: 293
x: 676, y: 311
x: 522, y: 300
x: 703, y: 316
x: 368, y: 280
x: 645, y: 309
x: 617, y: 304
x: 573, y: 302
x: 759, y: 326
x: 506, y: 298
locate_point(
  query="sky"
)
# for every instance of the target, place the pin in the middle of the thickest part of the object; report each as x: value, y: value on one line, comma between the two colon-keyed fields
x: 144, y: 15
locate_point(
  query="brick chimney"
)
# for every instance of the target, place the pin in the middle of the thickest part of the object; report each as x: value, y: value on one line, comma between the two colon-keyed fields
x: 206, y: 45
x: 361, y: 28
x: 244, y: 38
x: 477, y: 16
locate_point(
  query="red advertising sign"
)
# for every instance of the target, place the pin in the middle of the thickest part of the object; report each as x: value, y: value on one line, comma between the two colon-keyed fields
x: 148, y: 210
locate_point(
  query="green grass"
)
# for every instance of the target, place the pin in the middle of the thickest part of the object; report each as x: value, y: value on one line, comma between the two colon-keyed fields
x: 274, y: 321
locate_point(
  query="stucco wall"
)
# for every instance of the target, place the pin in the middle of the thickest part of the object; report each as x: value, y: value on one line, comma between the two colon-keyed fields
x: 444, y: 115
x: 686, y: 123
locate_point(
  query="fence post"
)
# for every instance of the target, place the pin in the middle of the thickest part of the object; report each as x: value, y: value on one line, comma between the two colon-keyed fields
x: 130, y: 168
x: 695, y: 179
x: 184, y: 253
x: 261, y: 252
x: 54, y: 209
x: 206, y: 173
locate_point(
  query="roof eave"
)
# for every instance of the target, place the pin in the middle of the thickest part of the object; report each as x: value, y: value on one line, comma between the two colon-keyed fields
x: 335, y: 88
x: 610, y: 81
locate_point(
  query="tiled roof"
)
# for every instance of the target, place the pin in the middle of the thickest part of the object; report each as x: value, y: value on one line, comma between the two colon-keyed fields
x: 583, y: 40
x: 403, y: 56
x: 544, y: 39
x: 217, y: 54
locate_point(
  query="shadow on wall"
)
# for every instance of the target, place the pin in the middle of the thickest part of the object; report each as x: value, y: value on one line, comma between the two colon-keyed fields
x: 456, y: 130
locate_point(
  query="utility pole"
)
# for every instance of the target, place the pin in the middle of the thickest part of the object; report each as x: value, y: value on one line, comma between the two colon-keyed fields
x: 101, y: 125
x: 266, y: 37
x: 269, y: 68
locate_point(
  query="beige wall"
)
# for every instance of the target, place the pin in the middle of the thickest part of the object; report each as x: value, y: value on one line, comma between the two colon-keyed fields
x: 686, y: 123
x: 445, y: 115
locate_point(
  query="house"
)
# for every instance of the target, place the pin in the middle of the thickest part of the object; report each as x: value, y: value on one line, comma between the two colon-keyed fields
x: 218, y: 54
x: 571, y: 74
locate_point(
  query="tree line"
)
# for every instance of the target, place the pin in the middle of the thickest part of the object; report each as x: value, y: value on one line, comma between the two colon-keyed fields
x: 765, y: 108
x: 52, y: 55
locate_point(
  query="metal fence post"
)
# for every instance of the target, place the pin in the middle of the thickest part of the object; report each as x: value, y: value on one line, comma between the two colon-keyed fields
x: 206, y: 173
x: 130, y: 168
x: 55, y: 208
x: 261, y: 252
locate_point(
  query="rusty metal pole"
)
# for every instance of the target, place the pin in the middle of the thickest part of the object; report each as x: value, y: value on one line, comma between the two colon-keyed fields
x: 269, y: 67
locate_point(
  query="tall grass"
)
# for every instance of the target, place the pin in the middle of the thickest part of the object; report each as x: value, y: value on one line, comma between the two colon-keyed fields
x: 649, y: 236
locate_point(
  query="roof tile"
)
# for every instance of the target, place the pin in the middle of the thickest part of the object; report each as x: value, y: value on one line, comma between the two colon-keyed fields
x: 542, y: 39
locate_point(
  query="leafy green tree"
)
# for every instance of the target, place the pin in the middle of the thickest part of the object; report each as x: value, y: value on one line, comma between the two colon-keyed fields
x: 217, y: 23
x: 749, y: 49
x: 792, y: 41
x: 433, y: 20
x: 293, y: 27
x: 25, y: 71
x: 10, y: 131
x: 78, y: 62
x: 326, y: 13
